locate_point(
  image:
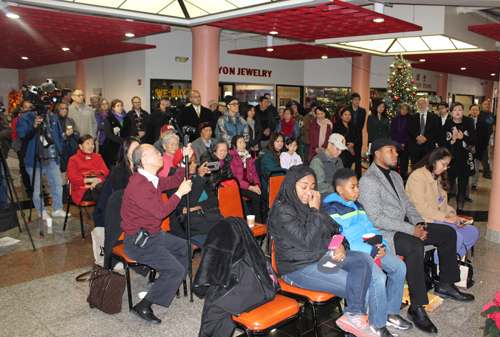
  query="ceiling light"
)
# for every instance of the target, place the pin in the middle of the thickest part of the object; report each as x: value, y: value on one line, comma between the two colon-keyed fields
x: 269, y: 49
x: 129, y: 35
x: 24, y: 57
x: 65, y: 49
x: 463, y: 68
x: 12, y: 16
x: 422, y: 60
x: 273, y: 32
x: 324, y: 57
x: 378, y: 20
x: 493, y: 74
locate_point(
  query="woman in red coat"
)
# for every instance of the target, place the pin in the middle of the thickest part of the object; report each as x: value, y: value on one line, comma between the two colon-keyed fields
x: 244, y: 170
x: 319, y: 132
x: 86, y: 171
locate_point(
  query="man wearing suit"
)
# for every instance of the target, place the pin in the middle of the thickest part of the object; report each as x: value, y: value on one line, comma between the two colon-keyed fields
x: 423, y: 129
x: 443, y: 112
x: 358, y: 118
x: 139, y: 119
x: 482, y: 139
x: 157, y: 120
x: 407, y: 233
x: 195, y: 114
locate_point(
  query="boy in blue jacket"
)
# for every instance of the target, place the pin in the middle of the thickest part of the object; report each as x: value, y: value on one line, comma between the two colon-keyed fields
x: 384, y: 301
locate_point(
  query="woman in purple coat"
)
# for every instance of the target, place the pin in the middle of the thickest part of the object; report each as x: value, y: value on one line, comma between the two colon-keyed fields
x: 100, y: 115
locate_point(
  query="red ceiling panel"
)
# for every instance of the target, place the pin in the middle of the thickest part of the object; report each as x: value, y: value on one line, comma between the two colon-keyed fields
x: 299, y: 51
x: 491, y: 31
x: 315, y: 22
x: 477, y: 64
x: 40, y: 36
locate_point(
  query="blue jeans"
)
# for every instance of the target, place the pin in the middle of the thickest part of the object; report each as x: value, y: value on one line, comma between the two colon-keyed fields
x: 198, y: 240
x: 351, y: 282
x: 4, y: 199
x: 467, y: 236
x: 385, y: 299
x: 53, y: 175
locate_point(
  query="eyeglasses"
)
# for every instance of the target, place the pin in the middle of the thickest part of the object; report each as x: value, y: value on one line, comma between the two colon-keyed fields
x: 63, y: 108
x: 81, y: 95
x: 234, y: 104
x: 154, y: 151
x: 445, y: 164
x: 136, y: 102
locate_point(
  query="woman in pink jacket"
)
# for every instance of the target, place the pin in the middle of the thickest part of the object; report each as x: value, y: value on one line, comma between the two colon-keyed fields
x: 319, y: 132
x: 244, y: 170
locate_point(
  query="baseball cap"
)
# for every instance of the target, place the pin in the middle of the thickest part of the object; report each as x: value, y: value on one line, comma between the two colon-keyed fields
x: 338, y: 140
x: 205, y: 125
x: 167, y: 127
x: 212, y: 102
x: 380, y: 143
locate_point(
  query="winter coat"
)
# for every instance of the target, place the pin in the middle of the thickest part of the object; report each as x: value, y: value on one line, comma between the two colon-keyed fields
x: 239, y: 172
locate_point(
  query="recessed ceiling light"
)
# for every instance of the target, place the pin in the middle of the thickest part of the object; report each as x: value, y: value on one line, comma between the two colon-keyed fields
x: 422, y: 60
x: 24, y: 57
x: 269, y: 49
x: 378, y: 20
x: 273, y: 32
x: 463, y: 68
x: 324, y: 57
x: 12, y: 16
x: 493, y: 74
x: 65, y: 49
x: 129, y: 35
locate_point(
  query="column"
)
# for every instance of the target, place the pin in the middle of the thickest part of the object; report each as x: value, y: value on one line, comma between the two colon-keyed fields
x: 490, y: 87
x: 360, y: 83
x: 81, y: 82
x: 493, y: 230
x: 205, y: 77
x: 442, y: 86
x: 22, y: 77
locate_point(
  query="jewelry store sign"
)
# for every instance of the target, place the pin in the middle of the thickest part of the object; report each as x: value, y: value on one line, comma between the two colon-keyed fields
x: 245, y: 72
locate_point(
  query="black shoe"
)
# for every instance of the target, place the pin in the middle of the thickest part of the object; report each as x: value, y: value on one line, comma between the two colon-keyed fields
x: 487, y: 176
x: 398, y: 322
x: 382, y: 332
x: 449, y: 290
x: 468, y: 199
x: 419, y: 317
x: 146, y: 314
x: 474, y: 188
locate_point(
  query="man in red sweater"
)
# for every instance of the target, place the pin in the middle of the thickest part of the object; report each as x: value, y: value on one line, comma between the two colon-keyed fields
x: 143, y: 211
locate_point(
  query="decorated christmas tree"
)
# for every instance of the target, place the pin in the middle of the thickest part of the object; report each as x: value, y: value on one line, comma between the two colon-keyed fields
x: 400, y: 88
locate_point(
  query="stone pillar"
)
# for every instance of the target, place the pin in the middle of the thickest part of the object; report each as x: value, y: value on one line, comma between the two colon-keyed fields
x: 490, y: 87
x: 205, y: 77
x: 360, y: 83
x: 81, y: 82
x: 493, y: 230
x: 22, y: 77
x: 442, y: 86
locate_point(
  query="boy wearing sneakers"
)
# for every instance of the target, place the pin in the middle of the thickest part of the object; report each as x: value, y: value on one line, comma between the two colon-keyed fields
x: 384, y: 301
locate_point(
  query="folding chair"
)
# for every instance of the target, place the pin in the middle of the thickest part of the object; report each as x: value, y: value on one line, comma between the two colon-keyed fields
x: 230, y: 204
x: 82, y: 203
x: 314, y: 298
x: 274, y: 187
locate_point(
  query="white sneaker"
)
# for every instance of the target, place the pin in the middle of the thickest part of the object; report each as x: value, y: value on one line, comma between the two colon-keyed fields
x: 60, y: 213
x: 46, y: 215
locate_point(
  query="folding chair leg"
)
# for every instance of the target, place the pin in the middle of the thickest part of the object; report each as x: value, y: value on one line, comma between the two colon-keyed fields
x: 472, y: 251
x: 88, y: 215
x: 81, y: 222
x: 66, y: 217
x: 315, y: 319
x: 129, y: 288
x: 184, y: 283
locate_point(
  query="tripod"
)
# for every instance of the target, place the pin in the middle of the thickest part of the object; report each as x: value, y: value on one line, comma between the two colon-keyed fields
x: 188, y: 227
x: 43, y: 132
x: 11, y: 189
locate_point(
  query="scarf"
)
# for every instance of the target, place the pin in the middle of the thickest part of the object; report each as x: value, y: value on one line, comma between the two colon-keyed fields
x: 120, y: 118
x: 244, y: 156
x: 287, y: 127
x: 323, y: 126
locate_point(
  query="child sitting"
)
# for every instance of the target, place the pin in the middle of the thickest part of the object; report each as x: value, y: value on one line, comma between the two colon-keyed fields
x: 384, y: 301
x: 290, y: 157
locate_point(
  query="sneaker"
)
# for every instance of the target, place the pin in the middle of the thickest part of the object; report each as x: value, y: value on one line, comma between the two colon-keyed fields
x: 60, y: 213
x: 46, y: 215
x: 356, y: 325
x: 382, y: 332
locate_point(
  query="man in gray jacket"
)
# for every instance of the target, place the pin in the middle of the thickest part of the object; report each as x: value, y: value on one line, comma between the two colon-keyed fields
x: 390, y: 210
x: 82, y: 114
x: 327, y: 162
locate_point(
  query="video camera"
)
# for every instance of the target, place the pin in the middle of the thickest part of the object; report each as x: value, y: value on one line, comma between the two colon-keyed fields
x: 39, y: 96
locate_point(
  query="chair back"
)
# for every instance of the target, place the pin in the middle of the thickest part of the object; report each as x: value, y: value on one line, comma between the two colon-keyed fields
x: 229, y: 199
x: 165, y: 225
x: 70, y: 189
x: 273, y: 256
x: 112, y: 224
x: 274, y: 187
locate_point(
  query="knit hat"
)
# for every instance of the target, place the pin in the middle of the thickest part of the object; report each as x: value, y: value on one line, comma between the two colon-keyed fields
x: 205, y: 125
x: 212, y: 102
x: 228, y: 99
x: 178, y: 157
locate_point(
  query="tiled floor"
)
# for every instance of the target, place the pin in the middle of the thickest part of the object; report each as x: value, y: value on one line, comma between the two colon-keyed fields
x: 40, y: 296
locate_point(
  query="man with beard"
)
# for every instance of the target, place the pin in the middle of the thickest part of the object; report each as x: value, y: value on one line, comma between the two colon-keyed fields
x: 423, y: 129
x: 407, y: 233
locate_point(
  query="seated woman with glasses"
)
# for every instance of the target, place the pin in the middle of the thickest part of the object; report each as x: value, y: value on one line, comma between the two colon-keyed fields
x: 270, y: 157
x: 231, y: 123
x: 428, y: 189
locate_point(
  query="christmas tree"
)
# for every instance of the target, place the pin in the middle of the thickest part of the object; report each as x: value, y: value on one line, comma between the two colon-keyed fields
x: 400, y: 88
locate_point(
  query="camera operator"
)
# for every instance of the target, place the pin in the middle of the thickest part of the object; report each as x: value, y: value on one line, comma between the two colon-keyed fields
x: 158, y: 119
x: 26, y: 129
x: 5, y: 132
x: 20, y: 146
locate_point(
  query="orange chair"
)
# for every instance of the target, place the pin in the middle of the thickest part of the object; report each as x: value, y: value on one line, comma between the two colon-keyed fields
x: 269, y: 316
x: 82, y: 203
x: 314, y: 298
x: 230, y: 205
x: 274, y: 187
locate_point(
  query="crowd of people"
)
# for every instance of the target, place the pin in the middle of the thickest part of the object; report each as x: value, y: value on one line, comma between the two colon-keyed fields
x: 321, y: 197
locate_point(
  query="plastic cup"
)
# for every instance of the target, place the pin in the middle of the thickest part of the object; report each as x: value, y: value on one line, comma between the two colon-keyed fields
x: 69, y: 127
x: 251, y: 220
x: 49, y: 222
x: 368, y: 236
x: 142, y: 294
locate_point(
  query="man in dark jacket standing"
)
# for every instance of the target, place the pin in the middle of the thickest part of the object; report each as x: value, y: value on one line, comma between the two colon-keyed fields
x: 482, y: 140
x: 358, y: 118
x: 195, y: 114
x: 139, y: 119
x: 5, y: 133
x: 423, y: 129
x: 486, y: 116
x: 157, y: 120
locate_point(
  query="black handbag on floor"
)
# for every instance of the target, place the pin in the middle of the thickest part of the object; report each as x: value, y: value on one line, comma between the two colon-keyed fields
x: 8, y: 217
x: 202, y: 221
x: 106, y: 289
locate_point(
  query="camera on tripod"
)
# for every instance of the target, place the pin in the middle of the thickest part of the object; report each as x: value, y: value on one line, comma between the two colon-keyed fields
x: 188, y: 130
x: 39, y: 96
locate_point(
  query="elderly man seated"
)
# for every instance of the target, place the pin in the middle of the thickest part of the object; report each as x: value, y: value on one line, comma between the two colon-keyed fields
x: 142, y: 213
x: 390, y: 210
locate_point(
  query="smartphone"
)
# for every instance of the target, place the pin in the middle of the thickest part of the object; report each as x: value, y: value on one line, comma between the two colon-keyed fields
x: 454, y: 129
x: 336, y: 242
x: 213, y: 166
